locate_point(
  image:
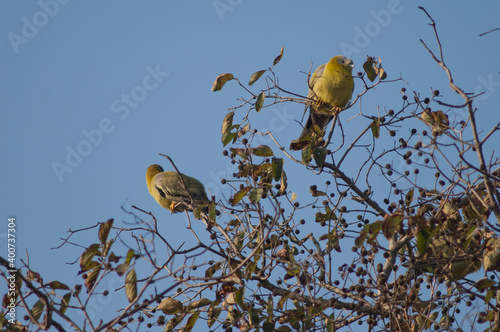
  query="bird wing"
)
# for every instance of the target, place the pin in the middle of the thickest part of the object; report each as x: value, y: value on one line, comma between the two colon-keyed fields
x: 169, y: 186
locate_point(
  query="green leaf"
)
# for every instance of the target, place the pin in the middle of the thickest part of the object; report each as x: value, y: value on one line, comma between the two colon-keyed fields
x: 409, y: 197
x: 65, y: 302
x: 190, y: 322
x: 256, y: 76
x: 88, y: 255
x: 422, y: 241
x: 376, y: 128
x: 255, y: 195
x: 260, y: 101
x: 228, y: 137
x: 130, y: 255
x: 268, y: 326
x: 104, y: 230
x: 227, y: 122
x: 237, y: 197
x: 249, y: 269
x: 239, y: 297
x: 277, y: 167
x: 319, y: 156
x: 278, y: 58
x: 484, y: 283
x: 174, y: 321
x: 221, y: 80
x: 131, y: 285
x: 306, y: 154
x: 263, y: 151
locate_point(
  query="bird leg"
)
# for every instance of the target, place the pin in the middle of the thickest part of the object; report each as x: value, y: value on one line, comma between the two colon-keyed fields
x: 336, y: 110
x: 172, y: 207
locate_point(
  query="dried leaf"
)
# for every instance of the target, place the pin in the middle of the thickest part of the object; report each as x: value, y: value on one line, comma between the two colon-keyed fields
x: 104, y: 230
x: 131, y: 285
x: 278, y: 58
x: 221, y: 80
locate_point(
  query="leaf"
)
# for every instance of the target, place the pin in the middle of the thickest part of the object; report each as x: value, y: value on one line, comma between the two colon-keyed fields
x: 88, y: 255
x: 131, y: 285
x: 212, y: 269
x: 268, y: 326
x: 104, y: 230
x: 256, y: 76
x: 392, y: 224
x: 255, y: 195
x: 121, y: 269
x: 373, y: 68
x: 376, y: 127
x: 239, y: 195
x: 409, y: 197
x: 319, y: 156
x: 278, y: 58
x: 170, y: 306
x: 484, y: 283
x: 65, y: 302
x: 306, y: 154
x: 254, y: 316
x: 422, y: 241
x: 369, y: 70
x: 221, y: 80
x: 239, y: 297
x: 203, y: 302
x: 293, y: 197
x: 190, y: 322
x: 283, y: 183
x: 277, y: 168
x: 240, y: 152
x: 260, y: 101
x: 243, y: 130
x: 92, y: 277
x: 228, y: 137
x: 249, y: 269
x: 130, y: 255
x: 227, y: 122
x: 58, y: 285
x: 37, y: 309
x: 213, y: 314
x: 173, y: 322
x: 263, y: 151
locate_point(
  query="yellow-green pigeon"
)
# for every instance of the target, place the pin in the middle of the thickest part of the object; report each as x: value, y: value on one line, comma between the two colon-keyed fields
x: 331, y: 85
x: 168, y: 190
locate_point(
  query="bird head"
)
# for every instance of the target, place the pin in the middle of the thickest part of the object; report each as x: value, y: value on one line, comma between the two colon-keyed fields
x: 344, y: 62
x: 152, y: 171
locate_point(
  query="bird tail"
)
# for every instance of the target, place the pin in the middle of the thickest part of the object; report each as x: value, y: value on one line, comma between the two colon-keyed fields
x: 314, y: 126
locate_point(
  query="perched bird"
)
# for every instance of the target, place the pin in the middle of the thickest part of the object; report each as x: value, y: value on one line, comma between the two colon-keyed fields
x: 169, y: 191
x: 332, y: 86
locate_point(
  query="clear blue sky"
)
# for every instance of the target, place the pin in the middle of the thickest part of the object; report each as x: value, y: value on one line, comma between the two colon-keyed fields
x: 117, y: 82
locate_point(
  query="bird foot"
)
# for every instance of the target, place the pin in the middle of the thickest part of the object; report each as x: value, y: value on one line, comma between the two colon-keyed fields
x: 172, y: 207
x: 336, y: 110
